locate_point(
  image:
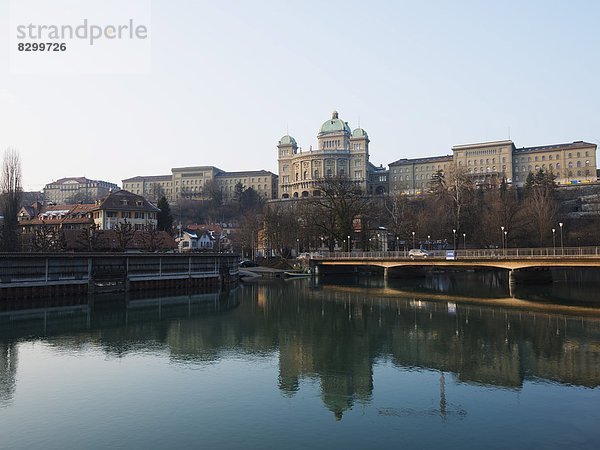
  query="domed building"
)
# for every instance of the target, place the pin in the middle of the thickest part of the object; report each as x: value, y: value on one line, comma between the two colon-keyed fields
x: 340, y: 152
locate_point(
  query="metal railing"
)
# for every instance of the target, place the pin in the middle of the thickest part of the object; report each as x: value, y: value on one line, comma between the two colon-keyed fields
x: 471, y: 254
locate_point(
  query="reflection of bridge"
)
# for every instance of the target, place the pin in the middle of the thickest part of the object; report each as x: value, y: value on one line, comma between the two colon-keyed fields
x: 510, y: 259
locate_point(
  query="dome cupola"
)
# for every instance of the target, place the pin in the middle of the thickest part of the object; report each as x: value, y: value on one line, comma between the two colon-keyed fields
x: 334, y: 125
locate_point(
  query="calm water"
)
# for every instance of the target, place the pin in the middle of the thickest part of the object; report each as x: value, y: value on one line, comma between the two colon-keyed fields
x: 442, y: 362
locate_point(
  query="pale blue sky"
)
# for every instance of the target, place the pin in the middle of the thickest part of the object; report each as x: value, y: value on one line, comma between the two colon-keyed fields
x: 229, y: 77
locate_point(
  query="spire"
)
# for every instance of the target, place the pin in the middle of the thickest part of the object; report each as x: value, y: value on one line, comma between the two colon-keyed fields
x: 334, y: 115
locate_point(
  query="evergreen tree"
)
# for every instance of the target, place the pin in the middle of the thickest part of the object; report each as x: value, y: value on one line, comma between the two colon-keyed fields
x: 164, y: 216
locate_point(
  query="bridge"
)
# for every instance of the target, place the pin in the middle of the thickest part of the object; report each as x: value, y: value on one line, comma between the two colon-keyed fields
x: 509, y: 259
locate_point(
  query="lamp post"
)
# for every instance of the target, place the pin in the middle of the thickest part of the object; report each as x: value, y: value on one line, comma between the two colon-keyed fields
x: 297, y: 247
x: 502, y: 236
x: 397, y: 244
x: 348, y: 244
x: 429, y: 242
x: 454, y: 248
x: 562, y: 248
x: 554, y: 241
x: 370, y: 244
x: 322, y: 242
x: 464, y: 241
x: 413, y: 233
x: 505, y: 241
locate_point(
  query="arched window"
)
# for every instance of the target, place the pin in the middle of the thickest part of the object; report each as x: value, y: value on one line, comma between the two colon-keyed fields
x: 295, y: 195
x: 305, y: 175
x: 578, y: 163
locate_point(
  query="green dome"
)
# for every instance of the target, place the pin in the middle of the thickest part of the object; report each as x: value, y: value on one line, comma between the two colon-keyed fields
x: 359, y: 132
x: 334, y: 125
x: 287, y: 140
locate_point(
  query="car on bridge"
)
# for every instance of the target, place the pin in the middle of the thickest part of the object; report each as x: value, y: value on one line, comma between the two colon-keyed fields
x: 418, y: 253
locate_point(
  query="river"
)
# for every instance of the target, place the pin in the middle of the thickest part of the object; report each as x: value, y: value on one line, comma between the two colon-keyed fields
x: 443, y: 361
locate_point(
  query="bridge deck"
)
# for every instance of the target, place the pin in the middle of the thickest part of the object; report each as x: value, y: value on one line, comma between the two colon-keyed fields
x: 510, y: 259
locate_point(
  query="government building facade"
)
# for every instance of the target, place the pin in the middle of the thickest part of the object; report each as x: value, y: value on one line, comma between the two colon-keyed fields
x: 492, y: 162
x: 340, y: 152
x: 190, y: 183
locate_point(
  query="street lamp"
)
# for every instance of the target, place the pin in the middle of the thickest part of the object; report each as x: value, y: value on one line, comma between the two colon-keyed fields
x: 397, y: 243
x: 562, y: 248
x: 465, y: 241
x: 413, y: 233
x: 505, y: 241
x: 429, y: 242
x: 297, y: 247
x: 370, y: 244
x: 554, y: 241
x: 502, y: 236
x: 454, y: 248
x: 348, y: 244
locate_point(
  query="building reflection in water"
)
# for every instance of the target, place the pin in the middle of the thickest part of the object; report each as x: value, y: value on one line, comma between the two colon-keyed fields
x: 334, y: 334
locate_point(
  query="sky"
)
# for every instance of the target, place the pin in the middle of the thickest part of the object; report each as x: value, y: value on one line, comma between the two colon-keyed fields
x: 228, y: 79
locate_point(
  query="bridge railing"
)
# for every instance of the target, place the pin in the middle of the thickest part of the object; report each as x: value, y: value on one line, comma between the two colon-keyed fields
x: 494, y: 253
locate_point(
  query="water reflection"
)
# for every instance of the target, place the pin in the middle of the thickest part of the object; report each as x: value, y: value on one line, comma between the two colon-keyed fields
x: 331, y: 334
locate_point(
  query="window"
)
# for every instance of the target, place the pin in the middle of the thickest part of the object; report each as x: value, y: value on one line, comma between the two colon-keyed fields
x: 139, y: 215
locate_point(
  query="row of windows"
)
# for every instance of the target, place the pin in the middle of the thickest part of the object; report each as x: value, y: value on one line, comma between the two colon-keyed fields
x: 419, y: 168
x: 337, y: 143
x: 492, y: 151
x: 126, y: 215
x: 482, y: 162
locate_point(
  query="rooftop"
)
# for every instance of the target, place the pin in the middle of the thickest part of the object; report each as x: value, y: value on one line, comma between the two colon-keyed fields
x: 432, y: 159
x: 545, y: 148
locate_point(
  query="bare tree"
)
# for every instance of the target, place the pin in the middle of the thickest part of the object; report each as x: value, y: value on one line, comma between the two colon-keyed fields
x: 89, y: 238
x: 334, y: 211
x: 125, y: 233
x: 10, y: 199
x: 542, y: 209
x: 280, y: 225
x: 48, y: 238
x: 152, y: 238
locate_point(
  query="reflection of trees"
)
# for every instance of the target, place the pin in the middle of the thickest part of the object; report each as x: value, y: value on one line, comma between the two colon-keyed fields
x: 334, y: 335
x: 8, y: 371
